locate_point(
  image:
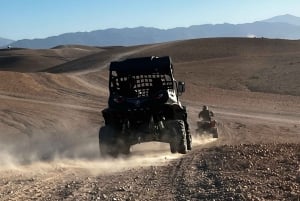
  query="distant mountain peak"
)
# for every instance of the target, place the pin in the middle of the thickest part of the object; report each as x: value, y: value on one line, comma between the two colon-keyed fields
x: 287, y: 18
x: 5, y: 41
x: 286, y: 15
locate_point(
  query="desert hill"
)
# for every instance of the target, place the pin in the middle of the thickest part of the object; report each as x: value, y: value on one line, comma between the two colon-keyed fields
x: 259, y: 65
x: 28, y: 60
x: 50, y: 114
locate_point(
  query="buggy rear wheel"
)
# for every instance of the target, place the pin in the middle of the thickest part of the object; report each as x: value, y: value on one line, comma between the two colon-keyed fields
x: 108, y: 141
x: 177, y: 136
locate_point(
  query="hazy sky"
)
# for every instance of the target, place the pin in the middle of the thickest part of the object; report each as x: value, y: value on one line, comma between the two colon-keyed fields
x: 20, y: 19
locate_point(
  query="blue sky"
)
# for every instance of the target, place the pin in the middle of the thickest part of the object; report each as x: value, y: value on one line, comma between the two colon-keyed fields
x: 20, y: 19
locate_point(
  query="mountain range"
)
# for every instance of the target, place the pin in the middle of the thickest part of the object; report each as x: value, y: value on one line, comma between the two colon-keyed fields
x: 5, y: 41
x: 284, y: 27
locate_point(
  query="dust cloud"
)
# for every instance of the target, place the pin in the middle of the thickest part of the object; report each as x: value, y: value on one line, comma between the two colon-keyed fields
x: 79, y: 151
x: 49, y: 146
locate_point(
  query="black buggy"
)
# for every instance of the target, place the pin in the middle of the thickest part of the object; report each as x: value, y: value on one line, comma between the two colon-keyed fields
x: 143, y: 106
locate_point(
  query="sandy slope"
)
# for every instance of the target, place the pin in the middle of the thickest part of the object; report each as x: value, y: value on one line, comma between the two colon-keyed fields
x: 49, y: 126
x: 27, y: 60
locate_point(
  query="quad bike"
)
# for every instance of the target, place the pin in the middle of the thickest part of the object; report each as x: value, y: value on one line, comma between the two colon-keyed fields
x: 209, y: 127
x: 144, y: 106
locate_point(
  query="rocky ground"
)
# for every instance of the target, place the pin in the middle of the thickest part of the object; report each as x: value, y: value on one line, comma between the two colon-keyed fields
x: 228, y: 172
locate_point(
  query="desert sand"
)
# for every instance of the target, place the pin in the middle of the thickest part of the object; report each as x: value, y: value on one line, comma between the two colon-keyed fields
x: 50, y: 115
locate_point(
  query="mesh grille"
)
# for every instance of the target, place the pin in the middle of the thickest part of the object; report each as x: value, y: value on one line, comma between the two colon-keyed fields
x: 141, y: 84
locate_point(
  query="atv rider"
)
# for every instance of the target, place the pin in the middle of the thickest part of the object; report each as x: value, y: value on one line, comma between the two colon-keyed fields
x: 207, y: 124
x: 206, y: 114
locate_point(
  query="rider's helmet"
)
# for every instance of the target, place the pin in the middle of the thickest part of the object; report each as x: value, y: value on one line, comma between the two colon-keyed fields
x: 205, y: 107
